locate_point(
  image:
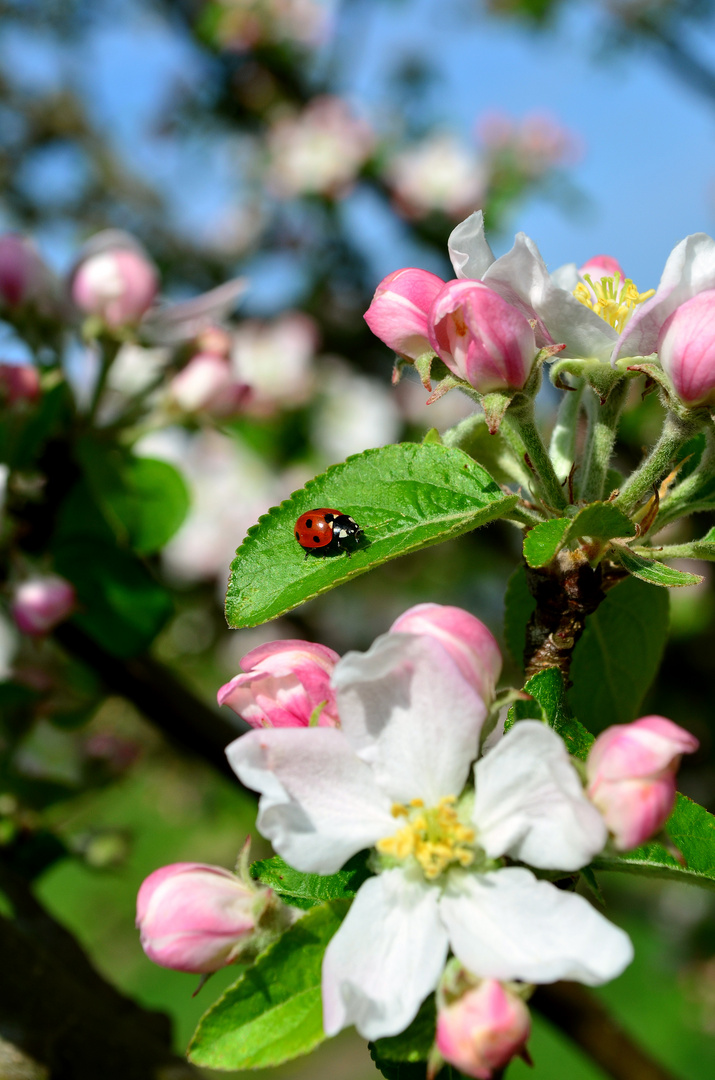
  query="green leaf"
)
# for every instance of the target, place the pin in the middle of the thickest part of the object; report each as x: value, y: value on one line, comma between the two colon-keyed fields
x: 308, y: 890
x: 273, y: 1013
x: 519, y: 606
x: 601, y: 520
x: 692, y: 830
x: 549, y: 704
x: 119, y: 603
x: 619, y: 654
x: 405, y: 497
x: 142, y: 499
x: 543, y: 541
x: 654, y: 573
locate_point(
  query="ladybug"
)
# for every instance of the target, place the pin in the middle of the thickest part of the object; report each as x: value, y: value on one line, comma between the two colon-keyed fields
x: 326, y: 530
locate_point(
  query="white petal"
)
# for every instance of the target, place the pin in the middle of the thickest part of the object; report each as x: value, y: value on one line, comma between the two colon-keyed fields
x: 566, y: 277
x: 689, y: 270
x: 385, y: 958
x: 407, y: 710
x: 319, y: 804
x: 508, y: 925
x: 530, y: 804
x: 468, y: 248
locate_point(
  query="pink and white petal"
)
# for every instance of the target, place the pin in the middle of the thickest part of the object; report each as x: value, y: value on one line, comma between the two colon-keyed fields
x: 689, y: 270
x: 530, y: 804
x: 292, y: 656
x: 320, y: 804
x: 408, y: 711
x: 507, y: 925
x: 468, y: 249
x: 386, y: 957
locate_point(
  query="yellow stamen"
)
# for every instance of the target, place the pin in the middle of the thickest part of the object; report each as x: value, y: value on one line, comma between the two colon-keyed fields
x: 436, y: 838
x: 612, y: 299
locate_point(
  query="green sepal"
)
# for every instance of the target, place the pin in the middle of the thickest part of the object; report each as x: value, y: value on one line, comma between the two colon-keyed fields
x: 597, y: 373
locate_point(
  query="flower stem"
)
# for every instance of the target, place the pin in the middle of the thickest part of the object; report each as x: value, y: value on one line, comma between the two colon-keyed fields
x: 676, y: 432
x: 603, y: 426
x: 108, y: 349
x: 521, y: 414
x: 695, y: 492
x: 562, y: 449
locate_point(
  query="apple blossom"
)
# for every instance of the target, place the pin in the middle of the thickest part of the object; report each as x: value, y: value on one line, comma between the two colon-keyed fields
x: 393, y: 778
x: 114, y: 279
x: 481, y: 337
x: 284, y: 684
x: 207, y: 384
x: 194, y: 917
x: 41, y: 603
x: 276, y: 360
x: 686, y: 349
x: 437, y: 173
x: 24, y: 276
x: 483, y: 1029
x: 467, y: 640
x: 19, y: 382
x: 399, y: 309
x: 631, y: 776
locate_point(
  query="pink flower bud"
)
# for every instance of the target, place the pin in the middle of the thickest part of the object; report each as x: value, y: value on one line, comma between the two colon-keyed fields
x: 601, y: 266
x: 207, y: 384
x: 399, y: 309
x: 631, y: 776
x: 483, y: 1030
x: 686, y: 347
x: 24, y: 276
x: 19, y: 382
x: 465, y: 638
x: 194, y: 917
x: 480, y: 337
x: 284, y: 682
x: 40, y: 603
x: 115, y: 280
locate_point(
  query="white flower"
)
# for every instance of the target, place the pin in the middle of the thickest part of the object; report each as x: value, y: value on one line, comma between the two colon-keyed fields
x: 522, y: 278
x: 393, y: 777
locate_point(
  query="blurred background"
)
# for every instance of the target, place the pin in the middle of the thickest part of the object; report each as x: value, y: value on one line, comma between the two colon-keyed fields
x: 311, y: 147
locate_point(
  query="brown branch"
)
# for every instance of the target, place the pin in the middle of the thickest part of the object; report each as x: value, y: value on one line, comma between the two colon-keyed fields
x: 59, y: 1017
x: 585, y: 1021
x: 156, y: 692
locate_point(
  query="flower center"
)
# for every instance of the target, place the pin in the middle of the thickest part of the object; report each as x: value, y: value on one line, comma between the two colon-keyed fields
x: 611, y: 298
x: 436, y: 837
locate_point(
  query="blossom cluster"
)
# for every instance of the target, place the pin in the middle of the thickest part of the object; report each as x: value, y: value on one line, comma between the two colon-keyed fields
x: 489, y: 322
x: 390, y: 750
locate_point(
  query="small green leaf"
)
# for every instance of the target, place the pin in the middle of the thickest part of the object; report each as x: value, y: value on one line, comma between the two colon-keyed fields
x: 143, y: 500
x: 519, y: 606
x: 549, y: 704
x: 654, y: 573
x: 308, y: 890
x: 542, y: 543
x: 619, y: 654
x: 692, y: 830
x: 404, y: 497
x: 274, y: 1012
x: 601, y: 520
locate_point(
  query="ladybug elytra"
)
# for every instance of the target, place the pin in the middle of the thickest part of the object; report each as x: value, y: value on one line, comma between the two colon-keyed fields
x: 327, y: 530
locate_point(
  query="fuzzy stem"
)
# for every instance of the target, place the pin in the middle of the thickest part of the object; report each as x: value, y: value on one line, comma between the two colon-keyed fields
x: 562, y: 449
x: 603, y: 426
x: 521, y: 415
x: 676, y: 431
x: 692, y: 494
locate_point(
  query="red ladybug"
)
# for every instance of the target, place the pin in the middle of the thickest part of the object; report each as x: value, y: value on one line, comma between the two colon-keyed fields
x: 326, y: 529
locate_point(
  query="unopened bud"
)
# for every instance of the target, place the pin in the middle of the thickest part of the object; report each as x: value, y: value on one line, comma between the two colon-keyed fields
x: 399, y: 309
x: 40, y: 603
x: 114, y: 280
x: 483, y: 1030
x: 686, y: 348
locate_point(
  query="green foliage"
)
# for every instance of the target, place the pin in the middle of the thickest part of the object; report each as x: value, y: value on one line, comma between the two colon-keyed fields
x: 618, y: 655
x: 143, y: 500
x: 519, y: 606
x: 405, y: 497
x: 600, y: 521
x: 25, y: 430
x: 308, y: 890
x: 692, y: 830
x: 549, y: 705
x: 273, y: 1013
x: 654, y: 573
x: 491, y: 450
